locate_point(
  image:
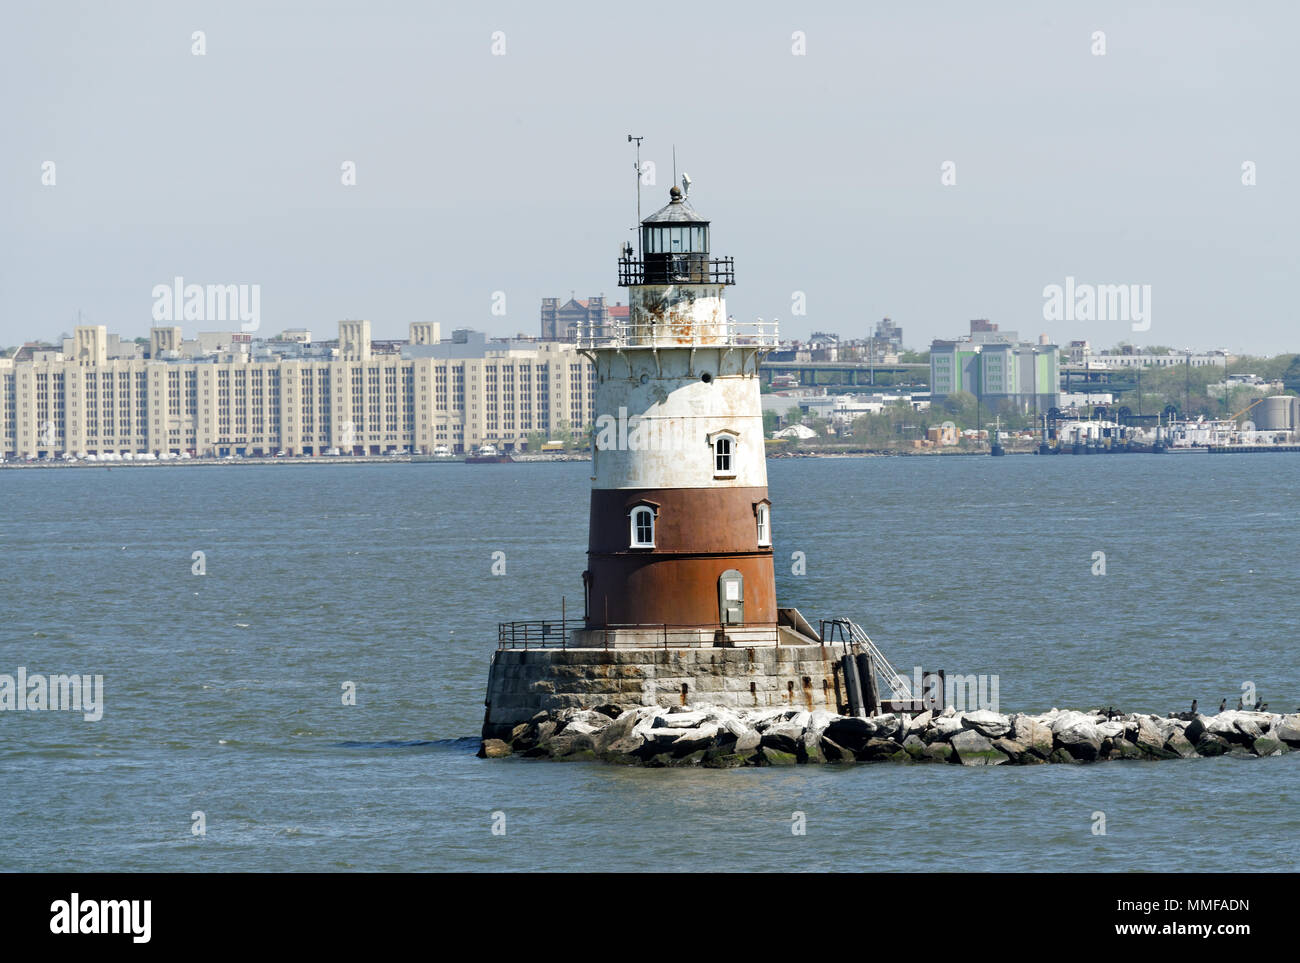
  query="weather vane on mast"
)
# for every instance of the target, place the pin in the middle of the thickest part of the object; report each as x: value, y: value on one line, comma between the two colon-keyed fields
x: 638, y: 140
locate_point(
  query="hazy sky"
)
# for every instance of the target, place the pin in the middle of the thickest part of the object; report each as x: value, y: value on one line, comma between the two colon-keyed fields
x: 821, y: 172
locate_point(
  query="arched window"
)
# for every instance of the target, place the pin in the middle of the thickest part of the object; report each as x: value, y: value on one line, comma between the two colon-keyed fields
x: 722, y: 456
x: 722, y: 448
x: 762, y: 514
x: 643, y: 527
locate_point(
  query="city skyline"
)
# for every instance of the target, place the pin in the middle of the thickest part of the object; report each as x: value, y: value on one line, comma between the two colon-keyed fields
x: 821, y: 140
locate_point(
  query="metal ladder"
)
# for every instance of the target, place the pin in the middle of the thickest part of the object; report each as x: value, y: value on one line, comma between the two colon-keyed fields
x: 896, y: 682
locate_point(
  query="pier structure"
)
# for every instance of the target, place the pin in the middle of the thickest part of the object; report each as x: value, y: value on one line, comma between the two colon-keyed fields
x: 679, y: 593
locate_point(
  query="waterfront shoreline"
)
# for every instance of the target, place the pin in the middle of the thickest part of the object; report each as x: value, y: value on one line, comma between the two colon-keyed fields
x: 309, y: 460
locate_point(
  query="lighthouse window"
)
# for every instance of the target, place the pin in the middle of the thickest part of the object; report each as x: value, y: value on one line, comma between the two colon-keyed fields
x: 722, y: 456
x: 764, y: 530
x: 643, y: 527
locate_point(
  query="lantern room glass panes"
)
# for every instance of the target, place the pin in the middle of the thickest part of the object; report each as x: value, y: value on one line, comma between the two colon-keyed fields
x: 676, y: 239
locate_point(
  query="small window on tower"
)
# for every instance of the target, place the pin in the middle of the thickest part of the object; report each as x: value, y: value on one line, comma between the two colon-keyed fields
x: 722, y: 455
x: 764, y: 526
x: 643, y: 527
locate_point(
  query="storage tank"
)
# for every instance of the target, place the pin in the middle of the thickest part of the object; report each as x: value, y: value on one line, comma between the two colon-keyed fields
x: 1275, y: 413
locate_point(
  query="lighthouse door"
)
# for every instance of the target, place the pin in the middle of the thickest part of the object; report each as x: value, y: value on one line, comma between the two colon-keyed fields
x: 731, y: 598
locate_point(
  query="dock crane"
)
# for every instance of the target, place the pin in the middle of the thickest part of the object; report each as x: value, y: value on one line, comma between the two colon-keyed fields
x: 1247, y: 408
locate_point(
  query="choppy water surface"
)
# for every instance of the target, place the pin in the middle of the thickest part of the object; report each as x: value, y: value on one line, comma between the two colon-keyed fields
x: 223, y: 691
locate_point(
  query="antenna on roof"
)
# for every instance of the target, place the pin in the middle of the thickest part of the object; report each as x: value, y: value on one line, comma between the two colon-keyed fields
x: 638, y: 140
x: 686, y: 184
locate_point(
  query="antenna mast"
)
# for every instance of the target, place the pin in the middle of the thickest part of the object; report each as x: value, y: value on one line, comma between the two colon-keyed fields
x: 638, y: 140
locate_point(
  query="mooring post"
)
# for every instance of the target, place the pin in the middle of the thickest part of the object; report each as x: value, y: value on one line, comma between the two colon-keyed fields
x: 866, y: 666
x: 853, y: 684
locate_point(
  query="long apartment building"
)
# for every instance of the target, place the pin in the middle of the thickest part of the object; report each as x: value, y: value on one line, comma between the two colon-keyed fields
x: 462, y: 393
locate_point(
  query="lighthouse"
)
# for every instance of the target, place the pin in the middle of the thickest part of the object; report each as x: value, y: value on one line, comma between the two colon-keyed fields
x: 680, y: 539
x: 679, y: 589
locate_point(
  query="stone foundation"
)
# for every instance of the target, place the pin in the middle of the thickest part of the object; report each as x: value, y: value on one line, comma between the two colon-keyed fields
x: 522, y: 683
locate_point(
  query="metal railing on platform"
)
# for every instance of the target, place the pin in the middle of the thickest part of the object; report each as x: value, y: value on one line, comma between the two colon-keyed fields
x: 536, y: 633
x: 558, y: 634
x: 669, y: 333
x: 676, y: 269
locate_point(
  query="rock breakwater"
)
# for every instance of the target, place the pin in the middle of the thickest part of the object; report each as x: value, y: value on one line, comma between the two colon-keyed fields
x: 722, y: 737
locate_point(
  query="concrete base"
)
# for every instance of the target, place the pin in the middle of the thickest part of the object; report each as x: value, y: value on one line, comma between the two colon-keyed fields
x: 522, y: 683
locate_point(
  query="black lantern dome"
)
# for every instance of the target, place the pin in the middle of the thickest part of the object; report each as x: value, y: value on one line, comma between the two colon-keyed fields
x: 675, y: 248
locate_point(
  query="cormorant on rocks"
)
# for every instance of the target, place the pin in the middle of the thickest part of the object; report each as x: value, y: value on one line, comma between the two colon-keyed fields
x: 1193, y: 707
x: 1239, y: 705
x: 1223, y: 705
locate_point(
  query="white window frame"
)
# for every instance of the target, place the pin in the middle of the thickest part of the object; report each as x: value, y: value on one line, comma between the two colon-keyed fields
x: 763, y: 522
x: 733, y: 444
x: 634, y: 538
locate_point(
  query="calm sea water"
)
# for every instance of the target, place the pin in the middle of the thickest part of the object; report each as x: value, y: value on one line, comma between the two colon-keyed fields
x: 223, y: 691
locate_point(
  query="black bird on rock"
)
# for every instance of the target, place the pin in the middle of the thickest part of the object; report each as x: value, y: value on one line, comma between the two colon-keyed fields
x: 1193, y: 707
x: 1223, y: 705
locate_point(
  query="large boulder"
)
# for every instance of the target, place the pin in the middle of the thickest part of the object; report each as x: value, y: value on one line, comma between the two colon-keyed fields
x: 1268, y: 746
x: 994, y: 725
x: 747, y: 738
x: 693, y: 740
x: 620, y: 728
x: 1123, y: 749
x: 681, y: 720
x: 878, y: 750
x: 819, y: 719
x: 1287, y: 728
x: 1077, y: 734
x: 939, y: 752
x: 493, y: 749
x: 1034, y: 735
x: 1013, y: 750
x: 767, y: 756
x: 947, y: 726
x: 973, y: 749
x: 834, y: 752
x: 566, y: 745
x: 1113, y: 729
x: 1210, y: 744
x: 920, y: 722
x: 1177, y: 743
x: 785, y: 737
x: 1152, y: 740
x: 810, y: 747
x: 890, y: 726
x: 1234, y: 726
x: 850, y: 732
